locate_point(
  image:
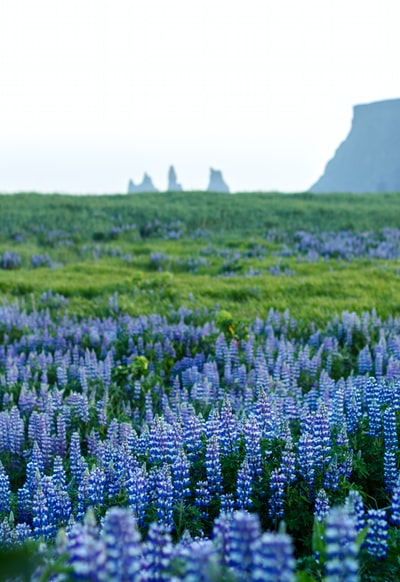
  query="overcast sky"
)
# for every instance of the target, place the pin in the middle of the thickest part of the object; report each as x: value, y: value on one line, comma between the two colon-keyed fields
x: 94, y: 92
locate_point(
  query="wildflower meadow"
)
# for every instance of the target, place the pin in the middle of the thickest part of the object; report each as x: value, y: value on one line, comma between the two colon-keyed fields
x: 185, y: 398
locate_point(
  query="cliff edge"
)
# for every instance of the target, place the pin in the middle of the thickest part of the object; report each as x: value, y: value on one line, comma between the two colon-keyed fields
x: 369, y: 158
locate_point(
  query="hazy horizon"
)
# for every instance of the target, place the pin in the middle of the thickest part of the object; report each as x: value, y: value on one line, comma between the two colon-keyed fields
x: 94, y: 93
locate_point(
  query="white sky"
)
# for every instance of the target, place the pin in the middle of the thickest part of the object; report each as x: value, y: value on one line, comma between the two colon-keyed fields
x: 94, y: 92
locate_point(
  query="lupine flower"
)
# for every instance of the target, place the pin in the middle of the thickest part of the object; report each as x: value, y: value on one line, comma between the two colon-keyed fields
x: 75, y: 457
x: 43, y: 525
x: 122, y: 545
x: 390, y: 429
x: 201, y: 562
x: 321, y: 437
x: 252, y: 440
x: 158, y: 553
x: 376, y: 541
x: 276, y: 502
x: 228, y: 428
x: 341, y: 549
x: 227, y: 503
x: 390, y: 470
x: 213, y: 465
x: 244, y: 486
x: 274, y: 559
x: 96, y: 486
x: 181, y: 476
x: 332, y: 475
x: 165, y: 498
x: 243, y: 536
x: 136, y: 486
x: 321, y: 506
x: 305, y: 458
x: 86, y: 555
x: 395, y: 504
x: 354, y: 506
x: 203, y: 497
x: 5, y: 490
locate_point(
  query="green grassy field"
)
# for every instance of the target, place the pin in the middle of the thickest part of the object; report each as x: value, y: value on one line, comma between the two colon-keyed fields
x: 227, y: 259
x: 234, y: 261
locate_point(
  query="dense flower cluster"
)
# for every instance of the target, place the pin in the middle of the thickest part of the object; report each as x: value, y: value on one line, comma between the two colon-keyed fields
x: 177, y: 421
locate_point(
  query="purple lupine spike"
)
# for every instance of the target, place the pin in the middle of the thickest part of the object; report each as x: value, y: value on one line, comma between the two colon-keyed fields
x: 86, y: 555
x: 16, y: 431
x: 203, y: 497
x: 221, y: 535
x: 244, y: 486
x: 390, y: 429
x: 24, y: 498
x: 43, y: 525
x: 22, y: 533
x: 123, y: 463
x: 288, y: 463
x: 201, y: 562
x: 376, y: 541
x: 252, y: 440
x: 227, y: 503
x: 228, y: 428
x: 5, y: 490
x: 75, y: 457
x: 34, y: 468
x: 61, y: 436
x: 149, y: 408
x: 83, y: 408
x: 274, y: 559
x: 158, y: 551
x: 6, y: 533
x: 213, y: 465
x: 321, y: 506
x: 332, y: 475
x: 395, y: 504
x: 161, y: 443
x: 373, y: 410
x: 39, y: 432
x: 181, y: 476
x: 137, y: 489
x: 365, y: 364
x: 277, y: 486
x: 321, y: 437
x: 4, y: 434
x: 123, y: 550
x: 341, y: 548
x: 243, y: 538
x: 83, y: 495
x: 390, y: 470
x: 96, y: 486
x: 354, y: 506
x: 305, y: 458
x: 193, y: 431
x: 59, y: 475
x: 165, y: 497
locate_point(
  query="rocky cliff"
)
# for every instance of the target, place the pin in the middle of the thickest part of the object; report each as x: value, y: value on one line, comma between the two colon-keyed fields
x: 369, y: 158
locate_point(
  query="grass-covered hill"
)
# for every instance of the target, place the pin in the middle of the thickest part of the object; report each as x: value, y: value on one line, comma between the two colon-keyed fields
x: 241, y: 214
x: 312, y: 254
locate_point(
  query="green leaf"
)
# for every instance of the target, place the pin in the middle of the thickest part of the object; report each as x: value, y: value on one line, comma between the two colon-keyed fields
x: 318, y: 543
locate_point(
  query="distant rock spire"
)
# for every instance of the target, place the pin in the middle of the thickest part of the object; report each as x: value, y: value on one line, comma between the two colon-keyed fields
x: 217, y: 183
x: 146, y: 186
x: 173, y: 185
